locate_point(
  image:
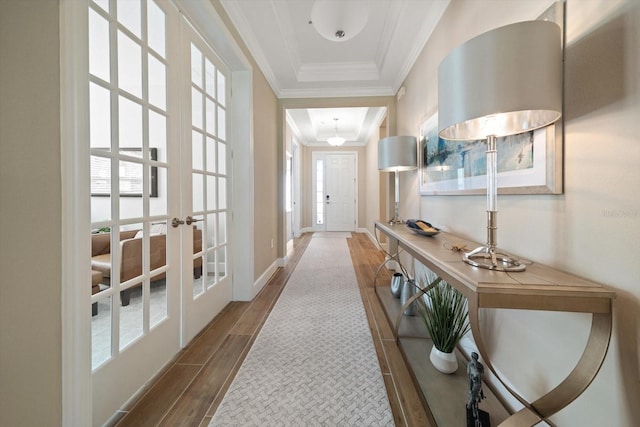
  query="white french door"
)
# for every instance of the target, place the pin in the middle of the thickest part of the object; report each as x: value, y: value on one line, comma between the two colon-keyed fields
x: 159, y: 156
x: 334, y: 191
x: 205, y: 185
x: 133, y: 167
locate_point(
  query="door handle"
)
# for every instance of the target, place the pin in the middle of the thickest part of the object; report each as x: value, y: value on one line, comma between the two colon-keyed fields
x: 327, y: 199
x: 191, y: 220
x: 175, y: 222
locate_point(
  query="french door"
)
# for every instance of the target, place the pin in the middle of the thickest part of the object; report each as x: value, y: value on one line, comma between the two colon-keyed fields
x: 159, y: 192
x: 205, y: 185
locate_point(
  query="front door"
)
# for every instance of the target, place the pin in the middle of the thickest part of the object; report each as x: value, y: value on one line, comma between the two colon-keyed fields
x: 334, y: 188
x: 341, y: 190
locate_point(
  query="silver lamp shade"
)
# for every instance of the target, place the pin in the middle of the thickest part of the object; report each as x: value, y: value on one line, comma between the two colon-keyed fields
x: 397, y: 154
x: 503, y: 82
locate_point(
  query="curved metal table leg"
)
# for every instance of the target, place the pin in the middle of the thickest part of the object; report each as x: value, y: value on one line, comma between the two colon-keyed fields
x: 570, y: 388
x: 388, y: 257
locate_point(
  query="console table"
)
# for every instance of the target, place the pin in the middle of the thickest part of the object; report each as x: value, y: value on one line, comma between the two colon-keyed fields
x: 537, y: 288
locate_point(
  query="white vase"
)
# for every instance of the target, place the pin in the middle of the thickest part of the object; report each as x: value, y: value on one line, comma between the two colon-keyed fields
x: 446, y: 363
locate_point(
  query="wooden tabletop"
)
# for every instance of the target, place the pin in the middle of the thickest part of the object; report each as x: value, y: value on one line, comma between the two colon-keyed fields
x: 537, y: 288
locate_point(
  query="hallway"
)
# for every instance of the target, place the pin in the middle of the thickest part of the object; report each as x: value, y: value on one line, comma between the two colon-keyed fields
x: 191, y: 388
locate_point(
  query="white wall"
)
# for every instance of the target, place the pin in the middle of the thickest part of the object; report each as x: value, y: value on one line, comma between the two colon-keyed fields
x: 592, y: 230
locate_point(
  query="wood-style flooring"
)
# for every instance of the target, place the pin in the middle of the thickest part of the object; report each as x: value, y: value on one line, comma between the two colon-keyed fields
x: 190, y: 389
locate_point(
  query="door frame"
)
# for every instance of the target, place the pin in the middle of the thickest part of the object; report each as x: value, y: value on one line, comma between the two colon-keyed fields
x: 75, y: 245
x: 296, y: 189
x: 315, y: 155
x: 284, y: 104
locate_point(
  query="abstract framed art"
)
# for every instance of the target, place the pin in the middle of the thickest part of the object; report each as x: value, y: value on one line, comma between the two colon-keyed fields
x: 528, y: 163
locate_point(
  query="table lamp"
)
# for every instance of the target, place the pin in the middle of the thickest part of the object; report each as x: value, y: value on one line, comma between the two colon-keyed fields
x: 397, y: 154
x: 503, y: 82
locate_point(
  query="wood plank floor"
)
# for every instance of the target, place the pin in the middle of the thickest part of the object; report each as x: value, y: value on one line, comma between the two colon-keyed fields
x: 190, y: 389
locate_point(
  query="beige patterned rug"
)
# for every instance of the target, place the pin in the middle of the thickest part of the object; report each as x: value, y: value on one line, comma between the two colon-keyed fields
x: 313, y: 363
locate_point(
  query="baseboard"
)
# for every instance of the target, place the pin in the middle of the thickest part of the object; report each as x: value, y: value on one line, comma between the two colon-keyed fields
x: 264, y: 277
x: 370, y: 236
x: 282, y: 261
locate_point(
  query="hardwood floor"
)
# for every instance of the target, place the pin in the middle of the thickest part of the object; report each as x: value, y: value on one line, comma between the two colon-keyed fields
x: 188, y: 391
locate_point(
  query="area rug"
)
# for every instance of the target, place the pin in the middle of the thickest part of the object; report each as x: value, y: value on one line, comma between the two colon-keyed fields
x: 314, y: 362
x: 332, y: 234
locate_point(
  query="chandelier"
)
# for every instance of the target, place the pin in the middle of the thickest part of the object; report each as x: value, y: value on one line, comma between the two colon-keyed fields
x: 336, y: 140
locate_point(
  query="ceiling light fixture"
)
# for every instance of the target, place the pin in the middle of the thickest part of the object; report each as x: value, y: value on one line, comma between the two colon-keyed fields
x: 336, y: 140
x: 339, y: 20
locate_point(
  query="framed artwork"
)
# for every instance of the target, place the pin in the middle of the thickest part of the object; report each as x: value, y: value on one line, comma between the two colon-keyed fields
x: 528, y: 163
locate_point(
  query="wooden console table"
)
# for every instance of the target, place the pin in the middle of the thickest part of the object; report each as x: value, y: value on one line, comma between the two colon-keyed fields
x: 537, y: 288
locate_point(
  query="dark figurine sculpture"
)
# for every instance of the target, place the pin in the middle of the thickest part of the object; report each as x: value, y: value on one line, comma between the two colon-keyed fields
x: 475, y: 370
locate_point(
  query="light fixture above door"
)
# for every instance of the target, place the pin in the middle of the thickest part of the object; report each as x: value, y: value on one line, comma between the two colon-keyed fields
x: 336, y: 140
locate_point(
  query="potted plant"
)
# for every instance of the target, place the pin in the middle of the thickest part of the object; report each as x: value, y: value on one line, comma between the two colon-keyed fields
x: 445, y: 315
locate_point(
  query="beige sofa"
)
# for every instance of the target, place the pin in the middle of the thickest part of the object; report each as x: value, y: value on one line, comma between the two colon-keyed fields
x: 131, y: 256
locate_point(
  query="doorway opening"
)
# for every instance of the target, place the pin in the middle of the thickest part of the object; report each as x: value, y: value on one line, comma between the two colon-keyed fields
x: 312, y: 124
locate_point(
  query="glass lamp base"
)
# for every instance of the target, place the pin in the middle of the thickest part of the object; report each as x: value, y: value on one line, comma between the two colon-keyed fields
x: 491, y: 258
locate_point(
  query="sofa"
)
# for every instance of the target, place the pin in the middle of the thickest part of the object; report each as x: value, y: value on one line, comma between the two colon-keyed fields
x: 131, y: 256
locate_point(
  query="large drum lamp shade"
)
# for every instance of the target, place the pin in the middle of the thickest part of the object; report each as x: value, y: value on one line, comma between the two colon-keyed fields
x: 503, y: 82
x: 397, y: 153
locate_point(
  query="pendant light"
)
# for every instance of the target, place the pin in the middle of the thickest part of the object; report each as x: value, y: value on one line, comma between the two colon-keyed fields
x: 336, y: 140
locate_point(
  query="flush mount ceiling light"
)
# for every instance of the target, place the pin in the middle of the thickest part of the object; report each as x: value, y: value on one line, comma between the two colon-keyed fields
x: 339, y: 20
x: 336, y: 140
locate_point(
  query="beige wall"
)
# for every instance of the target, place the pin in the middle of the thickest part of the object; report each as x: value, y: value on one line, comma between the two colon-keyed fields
x: 373, y: 180
x: 267, y: 207
x: 266, y: 171
x: 30, y: 214
x: 592, y: 230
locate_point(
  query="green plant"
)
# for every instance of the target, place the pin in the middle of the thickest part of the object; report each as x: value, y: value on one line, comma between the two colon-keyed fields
x: 445, y: 315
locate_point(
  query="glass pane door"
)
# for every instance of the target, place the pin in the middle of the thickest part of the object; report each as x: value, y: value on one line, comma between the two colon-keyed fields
x: 207, y: 202
x: 134, y: 277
